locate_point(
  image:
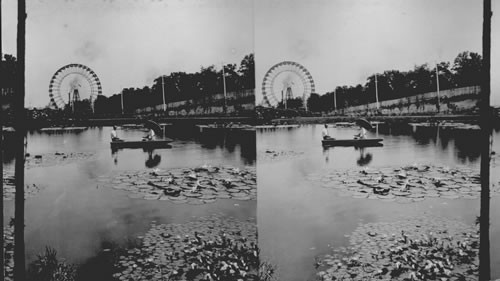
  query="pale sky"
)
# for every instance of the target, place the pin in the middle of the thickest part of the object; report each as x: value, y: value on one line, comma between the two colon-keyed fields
x: 495, y: 53
x: 342, y: 42
x: 127, y: 43
x: 130, y: 42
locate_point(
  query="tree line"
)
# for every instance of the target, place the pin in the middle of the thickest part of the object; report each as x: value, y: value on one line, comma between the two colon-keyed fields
x: 394, y: 84
x: 179, y: 86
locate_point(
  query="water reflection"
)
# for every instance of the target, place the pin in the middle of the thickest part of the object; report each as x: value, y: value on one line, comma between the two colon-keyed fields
x: 461, y: 141
x: 152, y: 161
x: 364, y: 158
x: 316, y: 219
x: 242, y: 142
x: 8, y: 143
x: 73, y: 216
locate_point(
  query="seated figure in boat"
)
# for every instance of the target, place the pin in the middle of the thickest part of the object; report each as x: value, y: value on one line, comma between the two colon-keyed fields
x: 325, y: 134
x: 361, y: 134
x: 150, y: 136
x: 114, y: 135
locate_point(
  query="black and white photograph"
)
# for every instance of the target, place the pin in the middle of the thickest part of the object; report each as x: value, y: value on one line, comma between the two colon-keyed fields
x: 369, y: 141
x: 245, y: 140
x: 138, y: 145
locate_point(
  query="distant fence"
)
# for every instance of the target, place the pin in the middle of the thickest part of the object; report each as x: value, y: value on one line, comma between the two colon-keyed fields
x: 452, y: 101
x: 237, y: 103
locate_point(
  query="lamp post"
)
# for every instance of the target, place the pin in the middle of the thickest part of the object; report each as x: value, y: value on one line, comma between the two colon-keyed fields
x: 376, y: 91
x: 224, y: 83
x: 163, y: 91
x: 122, y: 101
x: 437, y: 84
x: 335, y: 100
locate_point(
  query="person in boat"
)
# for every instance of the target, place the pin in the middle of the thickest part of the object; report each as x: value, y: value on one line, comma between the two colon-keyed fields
x: 150, y: 135
x: 114, y: 136
x: 361, y: 134
x: 325, y: 134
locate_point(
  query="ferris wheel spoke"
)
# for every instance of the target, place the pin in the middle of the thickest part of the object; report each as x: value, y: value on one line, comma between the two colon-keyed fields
x: 278, y: 70
x: 81, y: 73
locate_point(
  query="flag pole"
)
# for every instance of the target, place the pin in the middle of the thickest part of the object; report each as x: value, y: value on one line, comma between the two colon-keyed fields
x: 335, y: 100
x: 122, y: 101
x: 163, y: 91
x: 224, y: 83
x: 437, y: 84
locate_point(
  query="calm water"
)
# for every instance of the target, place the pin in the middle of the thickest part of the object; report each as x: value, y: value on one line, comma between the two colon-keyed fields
x: 299, y: 220
x: 76, y: 216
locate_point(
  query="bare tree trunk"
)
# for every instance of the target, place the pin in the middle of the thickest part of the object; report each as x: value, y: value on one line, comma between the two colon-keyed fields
x: 485, y: 119
x: 19, y: 124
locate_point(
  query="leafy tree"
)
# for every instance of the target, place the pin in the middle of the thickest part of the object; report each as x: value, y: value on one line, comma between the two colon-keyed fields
x: 295, y: 103
x: 467, y: 69
x: 8, y: 71
x: 183, y: 86
x: 395, y: 84
x: 314, y: 103
x: 247, y: 72
x: 445, y: 76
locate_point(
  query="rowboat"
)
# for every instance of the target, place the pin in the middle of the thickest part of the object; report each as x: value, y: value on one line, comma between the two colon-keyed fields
x: 163, y: 143
x: 352, y: 142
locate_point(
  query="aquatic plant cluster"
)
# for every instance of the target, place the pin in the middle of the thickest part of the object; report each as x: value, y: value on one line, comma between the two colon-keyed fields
x: 8, y: 248
x: 210, y: 248
x: 9, y: 187
x: 194, y: 186
x: 270, y: 154
x: 416, y: 248
x: 47, y: 267
x: 405, y: 184
x: 56, y: 158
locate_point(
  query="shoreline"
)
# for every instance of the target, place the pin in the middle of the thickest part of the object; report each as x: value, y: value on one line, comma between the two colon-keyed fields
x: 387, y: 119
x: 192, y: 121
x: 99, y: 122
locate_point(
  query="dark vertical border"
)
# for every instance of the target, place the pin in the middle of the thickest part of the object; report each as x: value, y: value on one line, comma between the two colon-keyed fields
x: 485, y: 121
x: 2, y: 252
x: 19, y: 125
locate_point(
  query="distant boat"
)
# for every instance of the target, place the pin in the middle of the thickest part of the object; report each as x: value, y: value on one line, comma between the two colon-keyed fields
x: 352, y: 142
x: 278, y: 126
x: 63, y: 129
x: 131, y: 126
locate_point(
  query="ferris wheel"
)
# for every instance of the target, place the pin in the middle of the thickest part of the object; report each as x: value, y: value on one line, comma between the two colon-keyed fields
x: 73, y: 83
x: 284, y: 81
